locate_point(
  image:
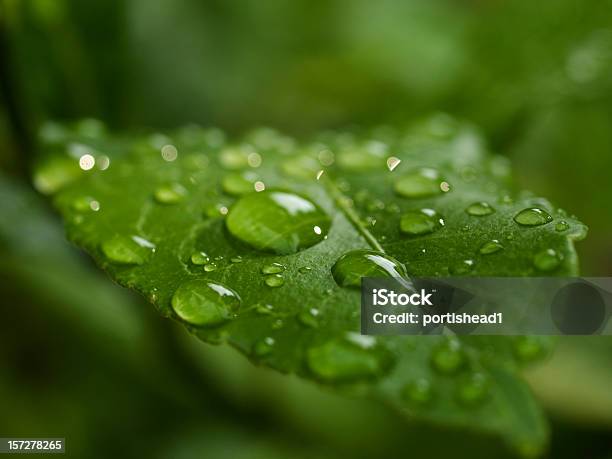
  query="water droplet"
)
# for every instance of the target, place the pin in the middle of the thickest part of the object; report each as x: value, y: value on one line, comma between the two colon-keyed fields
x: 320, y: 174
x: 418, y: 392
x: 480, y: 209
x: 462, y: 268
x: 259, y: 186
x: 420, y: 222
x: 236, y: 259
x: 278, y: 324
x: 210, y: 267
x: 273, y: 268
x: 326, y: 157
x: 277, y: 221
x: 547, y: 260
x: 170, y: 194
x: 304, y: 269
x: 263, y: 347
x: 205, y: 304
x: 528, y: 348
x: 533, y: 216
x: 561, y: 226
x: 344, y: 360
x: 237, y: 184
x: 125, y: 250
x: 490, y: 247
x: 309, y: 318
x: 254, y: 159
x: 85, y: 204
x: 419, y: 184
x: 264, y: 309
x: 352, y: 266
x: 87, y: 162
x: 448, y: 358
x: 199, y: 258
x: 274, y: 280
x: 216, y: 210
x: 473, y: 389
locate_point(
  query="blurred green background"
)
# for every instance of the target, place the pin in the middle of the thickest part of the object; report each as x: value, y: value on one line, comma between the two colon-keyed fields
x: 81, y: 358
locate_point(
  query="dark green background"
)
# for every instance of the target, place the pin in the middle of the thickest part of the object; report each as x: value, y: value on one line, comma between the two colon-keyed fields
x: 83, y: 359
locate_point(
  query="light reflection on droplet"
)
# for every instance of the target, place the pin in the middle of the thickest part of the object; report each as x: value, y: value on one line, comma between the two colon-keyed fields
x: 223, y: 210
x: 393, y: 162
x: 317, y: 230
x: 169, y: 152
x: 87, y: 162
x: 320, y: 174
x: 445, y: 186
x: 259, y: 186
x: 94, y: 205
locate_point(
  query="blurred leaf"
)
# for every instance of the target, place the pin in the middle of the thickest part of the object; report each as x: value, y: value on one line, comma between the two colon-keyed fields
x: 177, y: 218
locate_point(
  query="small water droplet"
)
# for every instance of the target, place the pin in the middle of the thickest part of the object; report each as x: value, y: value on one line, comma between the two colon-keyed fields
x: 418, y: 392
x: 352, y: 266
x: 169, y: 153
x: 205, y: 304
x: 170, y: 194
x: 85, y: 204
x: 462, y: 268
x: 304, y: 269
x: 278, y: 324
x: 448, y: 358
x: 561, y: 226
x: 125, y: 250
x: 236, y: 259
x: 480, y: 209
x: 533, y: 216
x: 420, y: 222
x: 547, y: 260
x: 309, y: 318
x: 491, y: 246
x: 274, y: 280
x: 273, y: 268
x: 528, y: 348
x: 473, y: 389
x: 277, y: 221
x: 264, y: 309
x: 199, y: 258
x: 419, y: 184
x: 320, y: 174
x: 263, y: 347
x: 216, y: 210
x: 445, y: 187
x: 344, y: 361
x: 210, y: 267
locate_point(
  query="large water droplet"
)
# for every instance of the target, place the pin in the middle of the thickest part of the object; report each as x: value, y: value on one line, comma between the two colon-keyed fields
x: 124, y: 250
x: 462, y: 268
x: 419, y: 184
x: 448, y: 358
x: 491, y: 246
x: 533, y: 216
x: 480, y: 209
x: 277, y: 221
x: 420, y: 222
x: 205, y: 304
x: 170, y: 194
x: 352, y: 266
x: 346, y: 360
x: 547, y: 260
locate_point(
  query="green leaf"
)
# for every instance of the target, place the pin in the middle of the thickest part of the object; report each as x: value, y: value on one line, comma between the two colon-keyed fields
x: 238, y: 242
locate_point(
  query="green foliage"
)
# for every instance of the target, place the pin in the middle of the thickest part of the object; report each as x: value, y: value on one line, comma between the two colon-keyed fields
x: 177, y: 217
